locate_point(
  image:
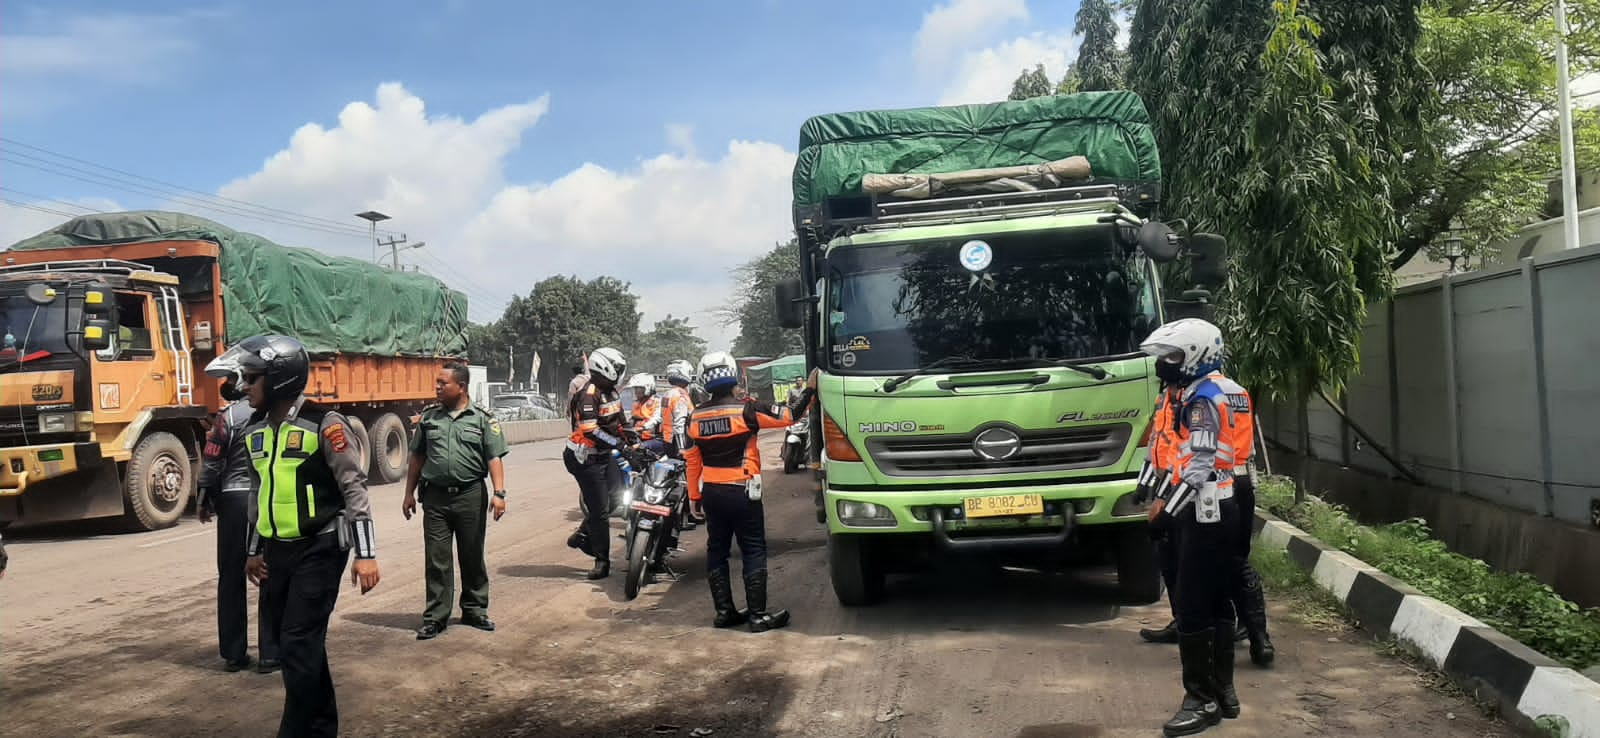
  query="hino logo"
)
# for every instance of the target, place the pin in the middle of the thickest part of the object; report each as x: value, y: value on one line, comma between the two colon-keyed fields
x: 997, y: 444
x: 904, y: 426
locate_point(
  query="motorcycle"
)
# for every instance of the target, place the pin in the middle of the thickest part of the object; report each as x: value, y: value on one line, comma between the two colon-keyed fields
x: 796, y: 446
x: 656, y: 507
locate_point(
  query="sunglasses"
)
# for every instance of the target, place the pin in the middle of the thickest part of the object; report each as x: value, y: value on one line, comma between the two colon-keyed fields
x: 246, y: 380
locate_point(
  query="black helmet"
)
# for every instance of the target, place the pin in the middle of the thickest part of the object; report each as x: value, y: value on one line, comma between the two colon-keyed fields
x: 282, y: 360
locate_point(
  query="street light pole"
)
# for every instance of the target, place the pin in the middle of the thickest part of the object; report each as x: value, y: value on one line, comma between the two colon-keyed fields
x: 1569, y: 166
x: 373, y: 216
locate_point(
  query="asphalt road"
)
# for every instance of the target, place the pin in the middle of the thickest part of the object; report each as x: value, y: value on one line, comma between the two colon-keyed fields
x: 115, y: 635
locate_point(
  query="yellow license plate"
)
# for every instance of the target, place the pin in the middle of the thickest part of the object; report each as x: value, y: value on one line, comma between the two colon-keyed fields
x: 998, y: 505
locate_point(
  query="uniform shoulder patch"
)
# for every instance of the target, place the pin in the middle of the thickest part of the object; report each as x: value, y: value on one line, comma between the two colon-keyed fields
x: 494, y: 427
x: 1197, y: 414
x: 335, y: 433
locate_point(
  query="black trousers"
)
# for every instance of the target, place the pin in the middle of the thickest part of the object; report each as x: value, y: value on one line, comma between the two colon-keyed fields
x: 732, y: 515
x: 302, y: 586
x: 233, y: 617
x: 594, y: 498
x: 1206, y: 569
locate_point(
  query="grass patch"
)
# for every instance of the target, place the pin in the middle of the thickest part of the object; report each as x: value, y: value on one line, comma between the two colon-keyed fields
x: 1516, y: 604
x: 1287, y: 583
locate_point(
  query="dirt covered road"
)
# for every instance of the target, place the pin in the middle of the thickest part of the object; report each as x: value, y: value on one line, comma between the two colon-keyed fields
x: 115, y: 635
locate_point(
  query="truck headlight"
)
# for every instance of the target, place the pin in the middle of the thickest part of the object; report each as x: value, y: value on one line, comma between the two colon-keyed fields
x: 865, y: 514
x: 58, y: 422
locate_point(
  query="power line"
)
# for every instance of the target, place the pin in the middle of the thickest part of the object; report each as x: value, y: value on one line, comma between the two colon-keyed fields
x: 131, y: 182
x: 179, y: 188
x: 39, y: 199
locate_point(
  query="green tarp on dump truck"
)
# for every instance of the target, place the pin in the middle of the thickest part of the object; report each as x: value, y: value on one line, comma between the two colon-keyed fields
x: 331, y: 303
x: 1111, y: 129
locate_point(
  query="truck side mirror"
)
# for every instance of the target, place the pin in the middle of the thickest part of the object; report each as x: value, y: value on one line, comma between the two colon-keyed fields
x: 97, y: 334
x: 790, y: 303
x: 97, y: 300
x: 1208, y: 265
x: 1158, y: 241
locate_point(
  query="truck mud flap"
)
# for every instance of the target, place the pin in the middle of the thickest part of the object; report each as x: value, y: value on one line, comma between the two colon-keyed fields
x: 986, y: 544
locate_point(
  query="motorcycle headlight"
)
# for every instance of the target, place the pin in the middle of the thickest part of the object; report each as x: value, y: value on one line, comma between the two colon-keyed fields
x: 654, y: 495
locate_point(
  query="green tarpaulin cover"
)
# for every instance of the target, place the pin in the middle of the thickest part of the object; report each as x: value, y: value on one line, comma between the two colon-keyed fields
x: 1111, y: 129
x: 330, y: 303
x: 785, y: 369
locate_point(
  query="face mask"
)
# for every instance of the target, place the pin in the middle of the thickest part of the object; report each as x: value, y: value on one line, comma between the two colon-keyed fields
x: 1169, y: 372
x: 230, y: 392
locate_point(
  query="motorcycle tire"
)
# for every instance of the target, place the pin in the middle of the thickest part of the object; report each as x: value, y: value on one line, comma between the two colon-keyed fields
x: 791, y: 464
x: 638, y: 563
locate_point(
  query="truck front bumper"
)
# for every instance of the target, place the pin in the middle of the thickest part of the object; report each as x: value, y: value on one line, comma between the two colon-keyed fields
x: 943, y: 511
x: 21, y: 466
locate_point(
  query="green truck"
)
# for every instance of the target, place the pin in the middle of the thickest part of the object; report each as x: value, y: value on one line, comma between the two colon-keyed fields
x: 974, y: 284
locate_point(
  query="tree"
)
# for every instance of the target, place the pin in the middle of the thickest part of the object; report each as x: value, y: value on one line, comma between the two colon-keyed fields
x: 1487, y: 137
x: 487, y: 345
x: 753, y: 306
x: 1032, y: 83
x: 564, y: 318
x: 1098, y: 66
x: 670, y: 339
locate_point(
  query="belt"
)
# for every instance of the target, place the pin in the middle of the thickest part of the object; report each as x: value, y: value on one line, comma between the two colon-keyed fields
x: 454, y: 489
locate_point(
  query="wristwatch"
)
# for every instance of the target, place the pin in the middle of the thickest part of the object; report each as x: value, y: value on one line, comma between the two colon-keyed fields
x: 500, y: 493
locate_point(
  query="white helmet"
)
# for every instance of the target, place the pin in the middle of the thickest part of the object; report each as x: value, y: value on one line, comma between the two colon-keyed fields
x: 643, y: 381
x: 607, y: 363
x: 718, y: 370
x: 680, y: 372
x: 1198, y: 341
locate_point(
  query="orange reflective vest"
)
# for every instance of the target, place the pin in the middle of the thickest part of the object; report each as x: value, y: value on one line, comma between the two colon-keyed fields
x: 722, y: 441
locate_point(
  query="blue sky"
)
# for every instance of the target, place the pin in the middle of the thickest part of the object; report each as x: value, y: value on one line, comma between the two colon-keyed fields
x: 532, y: 138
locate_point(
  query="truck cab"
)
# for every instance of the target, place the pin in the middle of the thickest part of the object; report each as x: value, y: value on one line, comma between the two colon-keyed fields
x: 90, y: 347
x: 981, y: 390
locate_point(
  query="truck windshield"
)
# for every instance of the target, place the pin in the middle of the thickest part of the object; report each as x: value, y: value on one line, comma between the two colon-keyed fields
x: 31, y: 334
x: 1056, y: 295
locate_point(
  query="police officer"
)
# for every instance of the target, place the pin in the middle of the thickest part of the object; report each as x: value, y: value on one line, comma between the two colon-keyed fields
x: 1196, y: 499
x: 311, y: 510
x: 225, y: 491
x: 1249, y: 601
x: 597, y: 430
x: 724, y: 470
x: 455, y: 447
x: 676, y: 406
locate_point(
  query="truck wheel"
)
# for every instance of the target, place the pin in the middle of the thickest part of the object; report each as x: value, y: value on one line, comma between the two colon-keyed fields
x: 857, y: 578
x: 160, y: 481
x: 389, y: 449
x: 1138, y: 571
x: 358, y: 434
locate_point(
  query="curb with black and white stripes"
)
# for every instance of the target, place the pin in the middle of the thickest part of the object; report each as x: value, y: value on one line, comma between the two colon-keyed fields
x: 1528, y: 687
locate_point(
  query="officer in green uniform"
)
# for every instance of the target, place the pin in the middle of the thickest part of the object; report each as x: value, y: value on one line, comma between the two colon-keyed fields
x: 455, y: 446
x: 311, y: 510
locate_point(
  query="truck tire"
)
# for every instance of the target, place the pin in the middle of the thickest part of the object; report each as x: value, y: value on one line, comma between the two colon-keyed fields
x: 389, y: 449
x: 160, y: 481
x: 358, y: 435
x: 1138, y: 571
x: 857, y: 578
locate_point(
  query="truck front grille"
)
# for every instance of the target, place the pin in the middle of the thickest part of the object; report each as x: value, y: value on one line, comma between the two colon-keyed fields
x: 1055, y: 450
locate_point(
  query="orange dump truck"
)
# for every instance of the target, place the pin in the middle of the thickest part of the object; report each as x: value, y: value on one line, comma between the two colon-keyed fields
x: 109, y: 321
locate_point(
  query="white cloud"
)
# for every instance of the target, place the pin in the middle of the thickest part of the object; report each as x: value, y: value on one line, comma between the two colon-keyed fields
x: 62, y: 55
x: 959, y: 25
x: 673, y: 225
x: 986, y: 75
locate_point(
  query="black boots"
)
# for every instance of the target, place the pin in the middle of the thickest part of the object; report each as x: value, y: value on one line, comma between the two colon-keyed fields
x: 755, y: 595
x: 1252, y: 608
x: 1167, y: 634
x: 601, y: 570
x: 1200, y: 709
x: 722, y: 599
x: 1222, y: 661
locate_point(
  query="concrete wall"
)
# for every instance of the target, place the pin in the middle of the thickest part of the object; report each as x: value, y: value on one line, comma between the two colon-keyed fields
x: 528, y: 431
x: 1485, y: 384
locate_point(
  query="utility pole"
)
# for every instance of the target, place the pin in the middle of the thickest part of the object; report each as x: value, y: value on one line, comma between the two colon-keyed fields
x: 393, y: 244
x: 1569, y: 166
x: 511, y: 365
